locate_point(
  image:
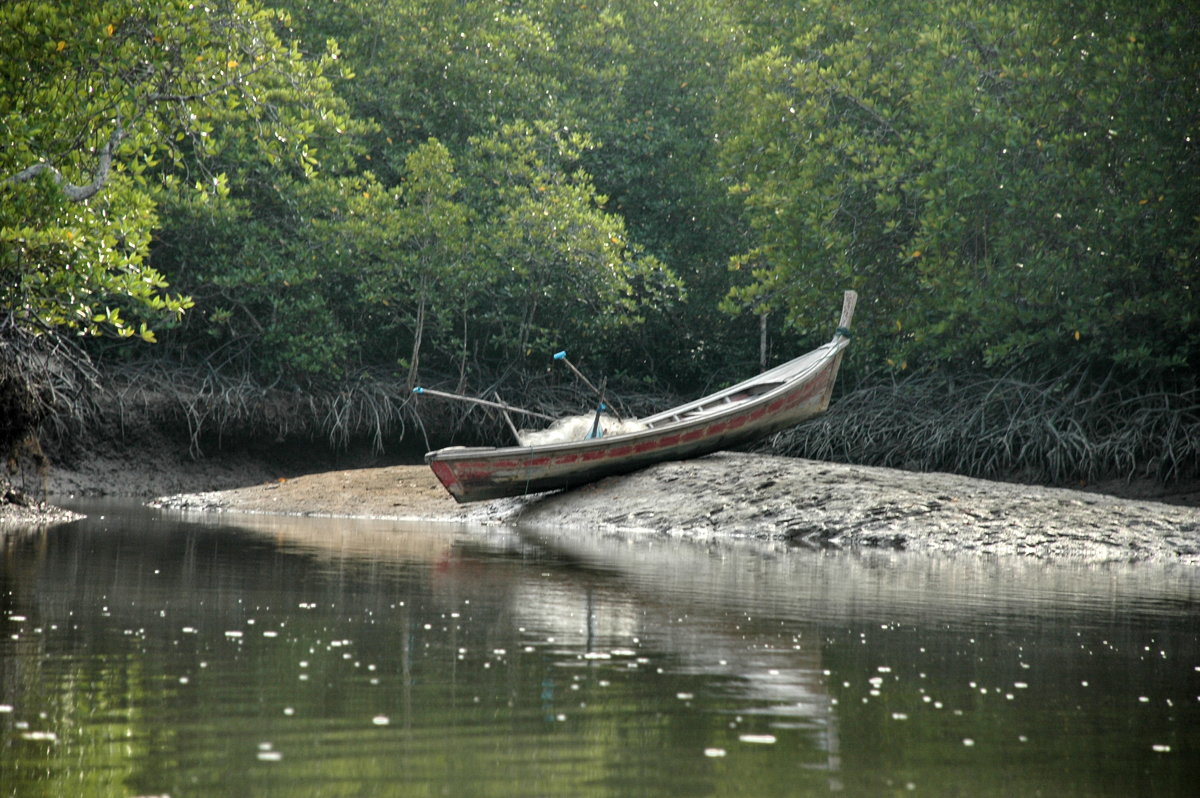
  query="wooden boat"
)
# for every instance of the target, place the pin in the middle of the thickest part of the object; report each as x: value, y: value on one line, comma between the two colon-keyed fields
x: 776, y: 399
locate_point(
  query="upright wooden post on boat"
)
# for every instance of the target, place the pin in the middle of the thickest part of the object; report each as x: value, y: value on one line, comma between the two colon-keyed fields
x: 849, y: 300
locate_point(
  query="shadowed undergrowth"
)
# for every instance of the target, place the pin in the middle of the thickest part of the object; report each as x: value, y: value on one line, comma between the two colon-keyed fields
x: 378, y: 408
x: 1054, y: 431
x: 1060, y: 430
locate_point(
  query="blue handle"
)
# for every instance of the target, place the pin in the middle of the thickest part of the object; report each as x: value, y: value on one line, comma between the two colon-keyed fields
x: 560, y: 355
x: 418, y: 389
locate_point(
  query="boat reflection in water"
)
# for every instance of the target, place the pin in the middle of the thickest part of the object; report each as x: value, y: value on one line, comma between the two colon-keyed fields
x: 678, y: 629
x: 623, y: 596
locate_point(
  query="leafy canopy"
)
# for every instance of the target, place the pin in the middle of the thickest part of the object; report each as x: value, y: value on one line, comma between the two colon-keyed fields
x: 105, y: 107
x: 1005, y: 183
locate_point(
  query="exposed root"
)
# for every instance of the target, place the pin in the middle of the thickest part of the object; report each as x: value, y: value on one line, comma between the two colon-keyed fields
x: 1057, y: 431
x: 217, y: 408
x: 48, y: 389
x: 1063, y: 430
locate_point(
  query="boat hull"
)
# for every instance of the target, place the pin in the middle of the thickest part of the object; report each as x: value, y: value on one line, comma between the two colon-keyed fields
x: 474, y: 474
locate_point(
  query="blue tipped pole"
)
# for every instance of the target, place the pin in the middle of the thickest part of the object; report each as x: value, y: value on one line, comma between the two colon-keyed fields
x: 599, y: 392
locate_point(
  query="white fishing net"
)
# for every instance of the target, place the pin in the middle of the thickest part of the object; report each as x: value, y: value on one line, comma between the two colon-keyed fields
x: 577, y: 428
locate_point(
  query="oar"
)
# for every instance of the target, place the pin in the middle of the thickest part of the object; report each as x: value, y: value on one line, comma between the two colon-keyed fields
x: 563, y: 357
x: 485, y: 402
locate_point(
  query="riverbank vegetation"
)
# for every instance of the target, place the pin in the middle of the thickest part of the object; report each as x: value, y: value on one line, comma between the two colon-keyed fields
x: 273, y: 218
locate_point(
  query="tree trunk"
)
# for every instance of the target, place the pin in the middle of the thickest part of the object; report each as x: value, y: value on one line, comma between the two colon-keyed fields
x: 762, y: 341
x: 418, y: 332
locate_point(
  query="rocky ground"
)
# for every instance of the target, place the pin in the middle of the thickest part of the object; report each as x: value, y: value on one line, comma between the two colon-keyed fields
x: 19, y: 510
x: 722, y: 496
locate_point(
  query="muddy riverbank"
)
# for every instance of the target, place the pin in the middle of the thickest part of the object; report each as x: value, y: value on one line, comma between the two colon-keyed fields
x: 749, y: 497
x: 769, y: 499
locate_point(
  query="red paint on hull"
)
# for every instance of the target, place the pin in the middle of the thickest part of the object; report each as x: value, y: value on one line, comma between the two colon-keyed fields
x: 487, y: 473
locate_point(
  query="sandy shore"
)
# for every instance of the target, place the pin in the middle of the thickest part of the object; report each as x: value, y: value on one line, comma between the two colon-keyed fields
x: 761, y: 497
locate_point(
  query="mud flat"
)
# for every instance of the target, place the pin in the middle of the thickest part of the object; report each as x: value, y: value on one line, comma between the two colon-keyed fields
x: 823, y: 504
x: 770, y: 499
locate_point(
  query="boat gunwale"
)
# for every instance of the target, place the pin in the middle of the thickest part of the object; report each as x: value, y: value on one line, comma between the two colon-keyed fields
x: 833, y: 349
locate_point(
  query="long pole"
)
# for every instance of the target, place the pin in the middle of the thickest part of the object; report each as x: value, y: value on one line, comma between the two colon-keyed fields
x: 599, y: 392
x: 485, y: 402
x: 507, y: 417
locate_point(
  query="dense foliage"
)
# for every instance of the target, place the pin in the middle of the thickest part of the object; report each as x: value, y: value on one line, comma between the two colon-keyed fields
x: 1007, y: 184
x: 106, y: 105
x: 417, y: 190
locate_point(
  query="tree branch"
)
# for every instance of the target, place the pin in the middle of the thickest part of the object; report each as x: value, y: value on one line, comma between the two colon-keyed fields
x: 73, y: 192
x: 236, y: 80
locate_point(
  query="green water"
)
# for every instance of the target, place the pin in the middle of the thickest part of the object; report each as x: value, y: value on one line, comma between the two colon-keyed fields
x: 155, y: 654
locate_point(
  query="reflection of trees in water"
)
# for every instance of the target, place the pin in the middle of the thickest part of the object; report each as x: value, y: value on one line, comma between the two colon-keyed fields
x: 576, y: 660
